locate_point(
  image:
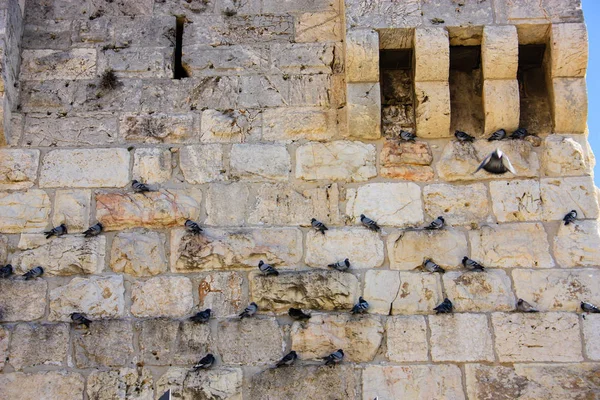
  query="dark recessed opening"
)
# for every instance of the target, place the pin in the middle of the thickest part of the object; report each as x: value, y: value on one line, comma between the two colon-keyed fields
x: 178, y: 70
x: 397, y: 103
x: 466, y: 86
x: 535, y: 114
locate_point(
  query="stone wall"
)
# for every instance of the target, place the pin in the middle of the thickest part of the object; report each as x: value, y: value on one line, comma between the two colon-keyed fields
x: 276, y: 118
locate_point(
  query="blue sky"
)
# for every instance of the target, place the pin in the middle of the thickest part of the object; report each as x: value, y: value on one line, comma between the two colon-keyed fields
x: 591, y: 12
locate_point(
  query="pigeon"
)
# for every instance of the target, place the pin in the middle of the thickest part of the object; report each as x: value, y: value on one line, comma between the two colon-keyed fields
x: 588, y: 307
x: 192, y: 227
x: 6, y: 271
x: 437, y: 223
x: 298, y: 314
x: 361, y: 307
x: 267, y: 269
x: 445, y: 307
x: 498, y: 135
x: 369, y: 223
x: 495, y: 162
x: 205, y: 363
x: 56, y: 231
x: 472, y: 265
x: 463, y: 136
x: 33, y: 273
x: 318, y: 226
x: 139, y: 187
x: 287, y: 360
x: 93, y: 230
x: 334, y: 358
x: 519, y: 134
x: 407, y: 136
x: 524, y: 306
x: 80, y: 319
x: 570, y: 217
x: 249, y: 311
x: 341, y: 265
x: 201, y: 317
x: 432, y: 267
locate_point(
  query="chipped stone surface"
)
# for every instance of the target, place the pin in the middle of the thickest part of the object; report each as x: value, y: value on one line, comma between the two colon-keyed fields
x: 56, y: 64
x: 138, y: 253
x: 564, y: 156
x: 460, y: 205
x: 24, y: 351
x: 70, y: 130
x: 45, y: 385
x: 72, y: 207
x: 362, y: 56
x: 450, y: 343
x: 18, y: 168
x: 221, y: 383
x: 124, y: 383
x: 222, y: 292
x: 432, y: 109
x: 316, y: 27
x: 202, y: 163
x: 591, y: 335
x: 364, y: 110
x: 22, y: 300
x: 516, y: 200
x: 152, y: 165
x: 381, y: 289
x: 289, y: 124
x: 233, y: 336
x: 406, y: 339
x: 219, y: 207
x: 364, y: 248
x: 107, y: 343
x: 501, y: 104
x: 499, y: 52
x: 419, y: 293
x: 156, y: 128
x: 24, y: 211
x: 229, y: 126
x: 431, y: 54
x: 398, y: 152
x: 569, y: 105
x: 569, y: 48
x: 413, y: 173
x: 4, y: 339
x: 338, y: 160
x: 560, y: 196
x: 256, y: 161
x: 162, y: 297
x: 578, y: 244
x: 479, y: 291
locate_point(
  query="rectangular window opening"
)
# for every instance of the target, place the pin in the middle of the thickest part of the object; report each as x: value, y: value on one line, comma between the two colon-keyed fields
x: 178, y: 69
x: 535, y: 112
x: 466, y: 87
x: 397, y: 99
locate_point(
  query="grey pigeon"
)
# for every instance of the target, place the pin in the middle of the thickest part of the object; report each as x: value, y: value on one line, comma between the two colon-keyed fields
x: 6, y: 271
x: 498, y: 135
x: 496, y: 163
x: 93, y: 230
x: 298, y: 314
x: 432, y: 267
x: 205, y: 363
x: 201, y: 317
x: 570, y: 217
x: 463, y: 136
x: 369, y: 223
x: 437, y: 223
x: 288, y: 359
x: 267, y: 269
x: 519, y: 134
x: 588, y: 307
x: 341, y: 265
x: 524, y: 306
x: 139, y: 187
x: 56, y: 231
x: 472, y: 265
x: 318, y: 225
x: 407, y: 136
x: 33, y: 273
x: 192, y: 227
x: 249, y: 311
x: 445, y: 307
x: 80, y: 319
x: 361, y: 307
x: 334, y: 358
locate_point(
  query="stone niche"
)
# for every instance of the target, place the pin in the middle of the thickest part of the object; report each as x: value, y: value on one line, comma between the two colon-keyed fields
x: 466, y: 80
x: 533, y: 89
x: 397, y: 99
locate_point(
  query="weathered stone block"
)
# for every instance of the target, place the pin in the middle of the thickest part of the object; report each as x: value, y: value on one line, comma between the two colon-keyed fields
x: 304, y: 58
x: 564, y: 156
x: 24, y: 211
x: 142, y: 62
x: 222, y: 383
x: 319, y: 290
x: 418, y: 294
x: 432, y: 109
x: 202, y: 163
x: 516, y: 200
x: 318, y: 27
x: 223, y: 293
x: 362, y: 56
x: 289, y: 124
x: 39, y: 344
x: 18, y: 168
x: 85, y: 129
x: 219, y: 207
x: 384, y: 14
x: 459, y: 205
x: 569, y: 50
x: 501, y: 104
x: 228, y: 60
x: 431, y: 54
x: 397, y: 153
x: 233, y: 337
x: 156, y: 128
x: 569, y: 105
x: 537, y: 337
x: 406, y: 339
x: 338, y: 160
x: 364, y: 248
x: 124, y: 383
x: 152, y: 165
x: 22, y: 300
x: 105, y: 344
x: 591, y: 336
x: 414, y: 173
x: 260, y: 161
x: 499, y: 52
x: 260, y: 91
x: 381, y: 289
x: 535, y: 12
x: 56, y: 64
x: 3, y: 249
x: 363, y: 110
x: 46, y: 385
x: 164, y: 296
x: 560, y: 196
x: 138, y: 253
x: 578, y: 244
x: 4, y: 339
x: 72, y: 207
x: 455, y: 14
x: 230, y: 126
x: 449, y: 342
x: 479, y: 291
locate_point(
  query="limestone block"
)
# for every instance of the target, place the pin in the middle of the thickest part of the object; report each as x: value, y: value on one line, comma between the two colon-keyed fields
x: 167, y: 208
x: 412, y: 382
x: 359, y: 336
x: 560, y: 196
x: 85, y: 168
x: 431, y: 55
x: 397, y: 204
x: 143, y: 62
x: 229, y: 60
x: 222, y: 383
x: 364, y: 248
x: 202, y: 163
x: 564, y: 156
x: 138, y: 253
x: 479, y: 291
x: 70, y: 130
x: 259, y: 161
x: 338, y: 160
x: 516, y: 200
x: 233, y: 336
x: 362, y: 56
x: 537, y: 337
x: 397, y: 153
x: 4, y: 339
x: 287, y: 124
x: 381, y: 289
x: 414, y: 173
x: 219, y: 207
x: 591, y: 335
x: 39, y: 344
x: 407, y: 249
x: 156, y: 128
x: 363, y: 110
x: 569, y: 105
x: 460, y: 205
x: 72, y: 207
x: 218, y: 249
x: 167, y: 342
x: 313, y: 90
x: 535, y: 12
x: 293, y: 6
x: 107, y: 343
x: 319, y: 290
x: 229, y: 126
x: 450, y: 343
x: 3, y: 249
x: 24, y: 211
x: 152, y: 165
x: 45, y: 385
x: 123, y: 383
x: 501, y: 104
x: 383, y: 14
x: 569, y: 50
x: 406, y: 339
x: 164, y: 296
x: 418, y: 294
x: 98, y: 297
x: 305, y: 58
x: 511, y: 246
x: 260, y: 91
x: 318, y: 27
x: 18, y: 168
x: 22, y: 300
x: 67, y: 255
x: 432, y: 109
x: 499, y: 52
x: 72, y: 64
x: 578, y: 244
x: 531, y: 381
x: 222, y: 292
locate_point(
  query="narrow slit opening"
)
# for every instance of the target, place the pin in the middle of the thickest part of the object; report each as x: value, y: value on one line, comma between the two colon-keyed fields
x: 466, y: 87
x: 535, y: 112
x: 178, y: 70
x: 397, y: 102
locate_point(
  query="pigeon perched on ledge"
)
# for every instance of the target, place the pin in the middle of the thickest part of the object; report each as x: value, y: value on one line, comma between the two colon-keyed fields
x: 589, y: 307
x: 498, y: 135
x: 472, y: 265
x: 201, y: 317
x: 369, y: 223
x: 80, y: 319
x: 205, y: 363
x: 361, y: 307
x: 342, y: 266
x: 445, y: 307
x: 139, y: 187
x: 523, y: 306
x: 570, y: 217
x: 267, y: 269
x: 56, y: 231
x: 33, y: 273
x: 334, y: 358
x: 298, y: 314
x: 6, y: 271
x: 437, y: 223
x: 192, y: 227
x: 432, y: 267
x: 287, y: 360
x: 318, y: 226
x: 93, y: 230
x: 249, y: 311
x: 407, y: 136
x: 463, y: 136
